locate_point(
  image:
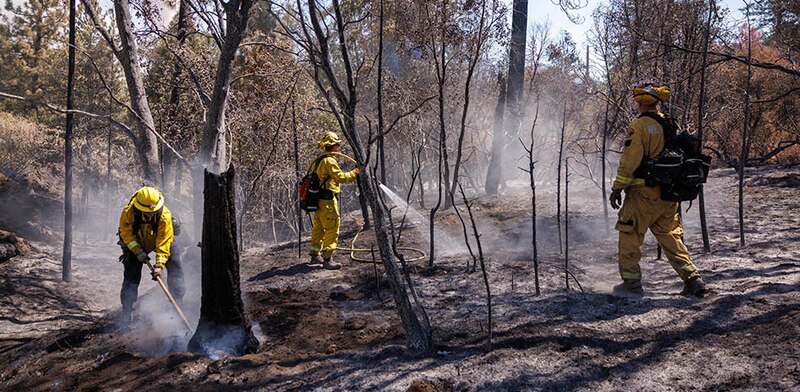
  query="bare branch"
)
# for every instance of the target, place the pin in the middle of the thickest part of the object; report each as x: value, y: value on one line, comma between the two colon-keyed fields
x: 99, y: 27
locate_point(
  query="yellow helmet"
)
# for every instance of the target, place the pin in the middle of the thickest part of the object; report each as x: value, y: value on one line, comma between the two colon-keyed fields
x: 648, y: 92
x: 148, y: 199
x: 329, y: 139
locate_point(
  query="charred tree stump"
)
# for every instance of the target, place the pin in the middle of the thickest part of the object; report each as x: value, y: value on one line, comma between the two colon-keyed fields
x: 223, y: 325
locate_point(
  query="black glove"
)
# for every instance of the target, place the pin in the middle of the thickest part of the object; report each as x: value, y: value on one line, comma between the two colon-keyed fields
x: 142, y: 256
x: 616, y: 198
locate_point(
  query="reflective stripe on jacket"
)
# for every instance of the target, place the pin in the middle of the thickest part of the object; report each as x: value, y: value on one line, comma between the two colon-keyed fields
x: 146, y: 238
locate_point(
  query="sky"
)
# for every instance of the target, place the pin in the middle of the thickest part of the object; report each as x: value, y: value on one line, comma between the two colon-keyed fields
x: 542, y: 10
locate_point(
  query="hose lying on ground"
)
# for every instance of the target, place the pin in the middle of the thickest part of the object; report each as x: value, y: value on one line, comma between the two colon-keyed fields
x: 353, y: 250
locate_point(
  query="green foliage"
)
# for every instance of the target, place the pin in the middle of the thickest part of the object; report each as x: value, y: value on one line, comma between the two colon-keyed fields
x: 33, y: 54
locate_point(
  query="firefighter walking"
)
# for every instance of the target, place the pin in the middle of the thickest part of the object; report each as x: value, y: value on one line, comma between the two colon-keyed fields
x: 643, y: 208
x: 325, y: 229
x: 145, y: 225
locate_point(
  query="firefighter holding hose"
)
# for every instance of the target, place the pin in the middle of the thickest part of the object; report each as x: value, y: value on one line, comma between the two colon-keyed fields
x: 325, y: 229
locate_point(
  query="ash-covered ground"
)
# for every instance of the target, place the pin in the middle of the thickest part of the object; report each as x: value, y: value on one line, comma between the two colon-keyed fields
x: 338, y: 330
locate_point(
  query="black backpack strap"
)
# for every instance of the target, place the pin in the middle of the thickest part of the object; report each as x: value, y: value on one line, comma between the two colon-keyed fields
x: 137, y: 220
x: 666, y: 122
x: 316, y: 164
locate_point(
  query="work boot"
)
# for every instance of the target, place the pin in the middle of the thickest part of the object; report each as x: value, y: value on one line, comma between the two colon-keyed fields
x: 330, y: 264
x: 315, y: 261
x: 124, y: 318
x: 695, y: 286
x: 629, y: 287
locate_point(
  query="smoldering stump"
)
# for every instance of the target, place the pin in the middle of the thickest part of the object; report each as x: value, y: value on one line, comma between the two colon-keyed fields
x: 223, y: 325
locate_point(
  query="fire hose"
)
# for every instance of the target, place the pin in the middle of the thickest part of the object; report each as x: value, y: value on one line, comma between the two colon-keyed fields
x: 353, y: 250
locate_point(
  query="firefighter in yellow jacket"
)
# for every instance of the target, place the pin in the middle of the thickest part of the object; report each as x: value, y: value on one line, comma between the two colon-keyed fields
x: 146, y: 226
x: 325, y: 229
x: 643, y: 208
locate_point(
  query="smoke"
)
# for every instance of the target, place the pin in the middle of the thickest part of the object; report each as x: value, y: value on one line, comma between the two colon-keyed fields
x: 224, y: 340
x: 157, y: 328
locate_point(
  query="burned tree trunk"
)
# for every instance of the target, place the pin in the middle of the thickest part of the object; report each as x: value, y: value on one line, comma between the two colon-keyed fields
x: 531, y: 176
x: 516, y: 77
x: 66, y: 256
x: 495, y: 171
x: 558, y: 177
x: 566, y: 225
x: 223, y: 325
x: 342, y: 97
x: 700, y: 115
x: 743, y: 156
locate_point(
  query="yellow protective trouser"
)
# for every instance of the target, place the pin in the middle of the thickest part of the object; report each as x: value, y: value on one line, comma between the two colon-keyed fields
x: 325, y: 229
x: 643, y: 209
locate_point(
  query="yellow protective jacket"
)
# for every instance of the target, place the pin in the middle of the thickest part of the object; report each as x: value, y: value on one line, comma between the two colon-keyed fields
x: 149, y: 240
x: 331, y: 175
x: 645, y: 138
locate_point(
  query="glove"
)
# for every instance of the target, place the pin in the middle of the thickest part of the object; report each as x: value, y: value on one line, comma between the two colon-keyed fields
x: 616, y: 198
x: 142, y: 256
x: 156, y: 273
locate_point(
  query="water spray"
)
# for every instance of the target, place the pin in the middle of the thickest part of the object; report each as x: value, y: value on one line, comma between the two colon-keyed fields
x: 352, y: 249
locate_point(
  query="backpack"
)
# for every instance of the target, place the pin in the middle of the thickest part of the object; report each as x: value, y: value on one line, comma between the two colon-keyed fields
x: 310, y: 191
x: 682, y: 168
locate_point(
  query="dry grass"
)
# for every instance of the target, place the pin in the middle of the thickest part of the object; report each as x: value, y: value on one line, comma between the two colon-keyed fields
x: 28, y: 150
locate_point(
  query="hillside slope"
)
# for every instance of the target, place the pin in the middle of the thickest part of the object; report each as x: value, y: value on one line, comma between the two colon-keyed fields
x: 337, y: 330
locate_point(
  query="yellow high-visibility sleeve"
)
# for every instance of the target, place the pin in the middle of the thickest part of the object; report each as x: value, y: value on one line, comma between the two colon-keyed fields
x: 631, y: 157
x: 126, y: 228
x: 164, y: 237
x: 332, y: 175
x: 145, y: 238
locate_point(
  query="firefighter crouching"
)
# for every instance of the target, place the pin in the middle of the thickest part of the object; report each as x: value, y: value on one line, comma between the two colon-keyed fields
x: 325, y: 229
x: 146, y: 226
x: 643, y: 208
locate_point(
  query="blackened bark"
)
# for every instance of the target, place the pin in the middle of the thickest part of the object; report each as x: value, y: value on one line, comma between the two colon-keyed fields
x: 66, y: 256
x: 298, y: 175
x: 743, y: 156
x: 700, y: 115
x: 381, y: 153
x: 516, y: 78
x: 603, y: 152
x: 558, y: 177
x: 473, y: 62
x: 531, y: 176
x: 223, y: 325
x: 566, y: 225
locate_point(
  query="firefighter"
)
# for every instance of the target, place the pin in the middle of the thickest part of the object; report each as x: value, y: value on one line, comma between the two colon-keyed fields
x: 325, y: 229
x: 643, y: 208
x: 145, y: 226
